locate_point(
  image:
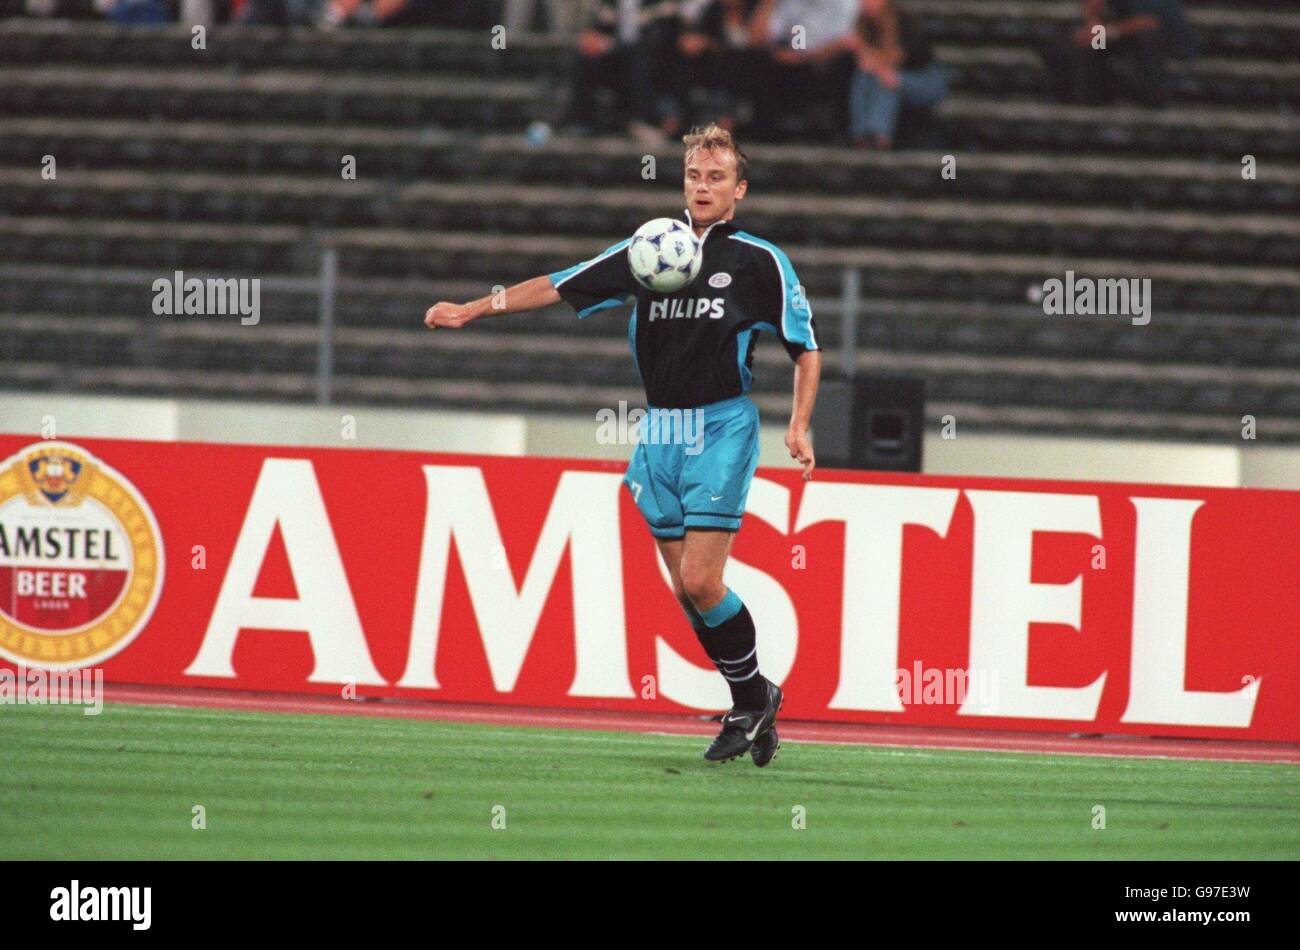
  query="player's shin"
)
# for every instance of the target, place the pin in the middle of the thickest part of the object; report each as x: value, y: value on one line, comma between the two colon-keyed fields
x: 726, y: 632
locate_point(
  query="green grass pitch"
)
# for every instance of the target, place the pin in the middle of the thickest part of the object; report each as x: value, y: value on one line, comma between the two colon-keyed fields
x: 124, y: 785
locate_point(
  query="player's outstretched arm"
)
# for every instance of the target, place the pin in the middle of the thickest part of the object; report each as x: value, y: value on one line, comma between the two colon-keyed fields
x: 807, y: 374
x: 529, y: 295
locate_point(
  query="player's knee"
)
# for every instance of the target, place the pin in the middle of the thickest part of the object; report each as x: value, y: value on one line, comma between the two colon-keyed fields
x: 702, y: 587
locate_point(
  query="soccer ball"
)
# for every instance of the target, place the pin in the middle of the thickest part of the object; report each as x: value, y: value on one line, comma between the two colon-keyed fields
x: 664, y: 255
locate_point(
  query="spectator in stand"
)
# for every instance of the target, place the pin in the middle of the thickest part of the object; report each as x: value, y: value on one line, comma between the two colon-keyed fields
x: 896, y: 68
x: 1140, y: 37
x: 280, y: 12
x: 192, y: 13
x: 561, y: 15
x: 710, y: 48
x: 135, y: 12
x: 375, y: 13
x: 59, y: 9
x: 623, y: 48
x: 806, y: 57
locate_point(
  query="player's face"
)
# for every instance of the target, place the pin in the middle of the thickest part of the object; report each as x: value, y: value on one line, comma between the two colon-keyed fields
x: 711, y: 187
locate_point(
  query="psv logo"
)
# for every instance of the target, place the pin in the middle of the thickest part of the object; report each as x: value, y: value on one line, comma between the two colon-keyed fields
x: 81, y: 558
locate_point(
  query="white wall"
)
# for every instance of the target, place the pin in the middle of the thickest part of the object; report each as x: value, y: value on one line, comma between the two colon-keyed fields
x: 576, y: 437
x: 276, y: 424
x: 1084, y: 459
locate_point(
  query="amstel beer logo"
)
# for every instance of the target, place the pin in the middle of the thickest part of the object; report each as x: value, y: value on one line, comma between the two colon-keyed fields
x: 81, y: 558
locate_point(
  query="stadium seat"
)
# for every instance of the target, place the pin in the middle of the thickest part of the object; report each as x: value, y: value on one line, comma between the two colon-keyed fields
x: 228, y: 161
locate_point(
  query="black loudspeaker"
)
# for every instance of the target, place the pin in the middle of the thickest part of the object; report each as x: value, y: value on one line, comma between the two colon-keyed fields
x: 869, y: 422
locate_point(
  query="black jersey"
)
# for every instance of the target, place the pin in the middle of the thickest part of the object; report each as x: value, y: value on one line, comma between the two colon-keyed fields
x: 696, y: 346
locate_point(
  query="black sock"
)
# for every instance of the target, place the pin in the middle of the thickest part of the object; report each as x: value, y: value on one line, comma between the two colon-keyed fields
x: 731, y: 646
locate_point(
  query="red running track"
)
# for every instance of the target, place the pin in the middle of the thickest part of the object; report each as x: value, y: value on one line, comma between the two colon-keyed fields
x: 839, y: 733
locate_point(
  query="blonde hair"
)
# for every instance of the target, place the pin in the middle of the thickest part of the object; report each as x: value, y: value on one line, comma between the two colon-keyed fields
x: 714, y: 136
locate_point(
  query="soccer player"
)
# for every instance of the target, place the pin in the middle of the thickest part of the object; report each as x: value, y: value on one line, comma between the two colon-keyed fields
x: 694, y: 349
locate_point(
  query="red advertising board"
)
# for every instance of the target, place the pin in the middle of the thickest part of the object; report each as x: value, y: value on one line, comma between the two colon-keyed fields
x: 964, y: 602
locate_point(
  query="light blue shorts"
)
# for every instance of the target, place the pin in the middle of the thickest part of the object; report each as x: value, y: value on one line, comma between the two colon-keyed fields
x: 692, y: 467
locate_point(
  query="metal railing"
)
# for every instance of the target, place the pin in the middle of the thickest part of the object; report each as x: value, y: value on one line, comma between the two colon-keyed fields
x: 325, y: 288
x: 847, y: 307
